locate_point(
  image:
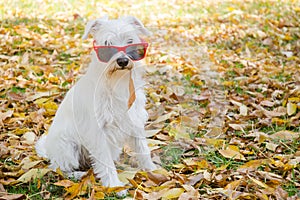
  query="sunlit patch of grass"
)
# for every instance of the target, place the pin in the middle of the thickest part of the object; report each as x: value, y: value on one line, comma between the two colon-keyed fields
x: 37, y: 189
x: 172, y: 155
x: 218, y: 160
x: 291, y: 189
x: 282, y: 77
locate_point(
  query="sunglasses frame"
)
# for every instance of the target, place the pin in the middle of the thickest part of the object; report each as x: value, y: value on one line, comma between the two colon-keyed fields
x: 121, y: 49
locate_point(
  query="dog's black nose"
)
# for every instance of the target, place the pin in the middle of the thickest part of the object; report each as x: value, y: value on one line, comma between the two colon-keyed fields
x: 123, y: 62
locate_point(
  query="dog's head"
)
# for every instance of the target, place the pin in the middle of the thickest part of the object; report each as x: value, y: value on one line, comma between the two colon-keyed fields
x: 117, y: 42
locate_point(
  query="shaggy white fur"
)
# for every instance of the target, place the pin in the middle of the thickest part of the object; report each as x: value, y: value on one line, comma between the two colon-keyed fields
x: 94, y: 122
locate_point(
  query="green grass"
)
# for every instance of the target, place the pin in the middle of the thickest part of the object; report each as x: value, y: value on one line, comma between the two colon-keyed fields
x: 36, y: 189
x: 172, y: 155
x: 291, y: 189
x: 218, y: 160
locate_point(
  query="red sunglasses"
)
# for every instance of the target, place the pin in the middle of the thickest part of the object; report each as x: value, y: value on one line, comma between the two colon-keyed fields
x: 134, y: 51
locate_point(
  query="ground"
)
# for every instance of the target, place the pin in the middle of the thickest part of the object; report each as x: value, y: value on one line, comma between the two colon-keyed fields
x: 223, y: 97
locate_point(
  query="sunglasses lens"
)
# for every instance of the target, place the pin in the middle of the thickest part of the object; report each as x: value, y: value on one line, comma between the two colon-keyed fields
x: 136, y: 52
x: 106, y: 53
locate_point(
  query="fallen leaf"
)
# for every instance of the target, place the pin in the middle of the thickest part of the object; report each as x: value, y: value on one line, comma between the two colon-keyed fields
x: 33, y: 174
x: 232, y: 152
x: 285, y: 135
x: 173, y: 193
x: 5, y: 115
x: 125, y: 175
x: 64, y: 183
x: 243, y: 110
x: 258, y: 182
x: 157, y: 178
x: 13, y: 197
x: 271, y: 146
x: 29, y: 137
x: 291, y: 108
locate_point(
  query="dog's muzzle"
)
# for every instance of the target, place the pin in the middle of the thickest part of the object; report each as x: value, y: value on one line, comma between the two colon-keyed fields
x: 123, y: 62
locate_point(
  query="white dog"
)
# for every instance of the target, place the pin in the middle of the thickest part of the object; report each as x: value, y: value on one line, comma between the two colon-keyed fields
x: 105, y: 109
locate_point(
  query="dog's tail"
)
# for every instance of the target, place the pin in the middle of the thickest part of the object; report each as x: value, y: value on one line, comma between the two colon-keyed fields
x: 40, y: 146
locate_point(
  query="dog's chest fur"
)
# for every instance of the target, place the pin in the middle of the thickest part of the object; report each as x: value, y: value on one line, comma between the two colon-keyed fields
x: 107, y: 103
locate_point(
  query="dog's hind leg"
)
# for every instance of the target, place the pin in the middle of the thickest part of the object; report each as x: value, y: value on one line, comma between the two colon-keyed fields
x: 63, y: 154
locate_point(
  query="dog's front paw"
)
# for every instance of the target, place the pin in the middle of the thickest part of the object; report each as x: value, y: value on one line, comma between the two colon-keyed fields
x: 122, y: 193
x: 118, y: 184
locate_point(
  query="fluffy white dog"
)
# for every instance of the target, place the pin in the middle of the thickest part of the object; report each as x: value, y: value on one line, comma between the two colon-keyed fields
x: 105, y: 109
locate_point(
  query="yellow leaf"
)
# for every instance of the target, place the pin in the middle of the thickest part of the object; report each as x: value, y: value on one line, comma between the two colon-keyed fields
x: 199, y: 164
x: 115, y: 189
x: 133, y: 183
x: 291, y: 108
x: 155, y: 97
x: 271, y: 146
x: 232, y: 152
x: 252, y: 164
x: 50, y: 107
x: 125, y: 175
x: 41, y: 101
x: 58, y: 171
x: 74, y: 190
x: 164, y: 117
x: 27, y: 163
x: 261, y: 184
x: 53, y: 79
x: 99, y: 195
x: 215, y: 142
x: 279, y: 121
x: 20, y: 131
x: 294, y: 99
x: 223, y: 167
x: 33, y: 174
x: 172, y: 193
x: 233, y: 185
x: 228, y: 83
x: 20, y: 114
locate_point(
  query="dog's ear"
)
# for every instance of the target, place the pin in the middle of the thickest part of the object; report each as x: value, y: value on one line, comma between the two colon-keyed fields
x: 138, y: 25
x: 92, y: 27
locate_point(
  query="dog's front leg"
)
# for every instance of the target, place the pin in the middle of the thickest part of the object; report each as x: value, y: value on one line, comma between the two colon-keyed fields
x: 142, y: 151
x: 105, y: 169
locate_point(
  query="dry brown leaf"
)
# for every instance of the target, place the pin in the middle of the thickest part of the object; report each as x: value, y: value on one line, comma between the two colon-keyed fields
x: 157, y: 178
x: 232, y: 152
x: 195, y: 179
x: 285, y: 135
x: 64, y: 183
x: 32, y: 174
x: 13, y: 197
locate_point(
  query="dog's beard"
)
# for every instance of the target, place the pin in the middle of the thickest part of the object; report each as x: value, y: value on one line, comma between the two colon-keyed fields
x: 115, y: 67
x: 112, y: 67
